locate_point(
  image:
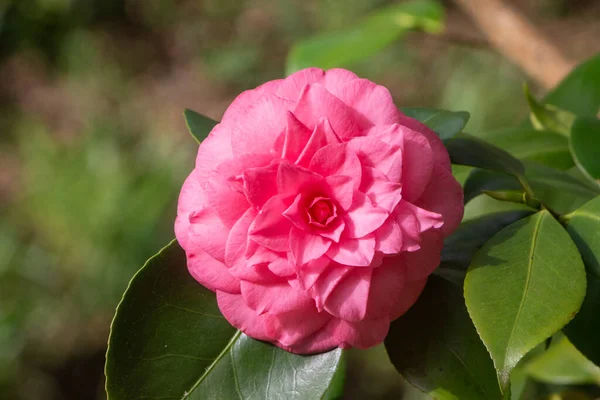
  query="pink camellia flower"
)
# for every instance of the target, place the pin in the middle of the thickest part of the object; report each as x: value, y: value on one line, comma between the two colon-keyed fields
x: 316, y: 211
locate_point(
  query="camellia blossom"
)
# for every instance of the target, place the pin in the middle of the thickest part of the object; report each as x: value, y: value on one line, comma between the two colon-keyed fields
x: 316, y: 211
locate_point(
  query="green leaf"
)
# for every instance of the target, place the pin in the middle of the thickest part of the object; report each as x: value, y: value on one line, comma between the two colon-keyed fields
x: 579, y: 92
x: 445, y: 123
x: 468, y: 150
x: 460, y: 247
x: 436, y: 348
x: 169, y: 340
x: 585, y: 146
x: 583, y: 330
x: 563, y: 364
x: 375, y: 32
x: 545, y: 147
x: 546, y: 116
x: 583, y: 225
x: 525, y: 284
x: 198, y: 125
x: 483, y: 205
x: 558, y: 189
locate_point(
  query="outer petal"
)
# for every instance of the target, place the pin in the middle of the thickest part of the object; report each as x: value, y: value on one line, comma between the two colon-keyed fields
x: 299, y: 325
x: 375, y: 153
x: 274, y: 298
x: 383, y: 192
x: 234, y: 309
x: 208, y: 233
x: 316, y: 102
x: 372, y: 103
x: 260, y: 184
x: 417, y: 164
x: 389, y: 237
x: 191, y: 199
x: 360, y: 334
x: 249, y: 97
x: 333, y: 80
x: 348, y: 300
x: 237, y: 240
x: 410, y: 294
x: 420, y: 264
x: 213, y: 150
x: 211, y: 273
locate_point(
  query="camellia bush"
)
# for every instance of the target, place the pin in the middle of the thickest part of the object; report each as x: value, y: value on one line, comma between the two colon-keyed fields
x: 321, y: 217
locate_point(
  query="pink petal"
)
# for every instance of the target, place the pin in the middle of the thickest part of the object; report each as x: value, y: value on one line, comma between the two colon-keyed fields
x: 307, y: 246
x: 417, y: 164
x: 319, y: 341
x: 372, y: 103
x: 295, y: 326
x: 380, y: 190
x: 389, y: 237
x: 234, y: 309
x: 444, y: 196
x: 337, y: 159
x: 270, y: 228
x: 256, y: 127
x: 297, y: 136
x: 260, y: 184
x: 292, y: 86
x: 420, y: 264
x: 410, y: 294
x: 440, y: 153
x: 259, y: 274
x: 321, y: 136
x: 342, y: 190
x: 405, y: 217
x: 296, y: 212
x: 348, y: 300
x: 363, y: 217
x: 274, y: 298
x: 353, y: 252
x: 211, y: 273
x: 213, y: 150
x: 282, y: 267
x: 249, y: 97
x: 388, y: 278
x: 335, y: 79
x: 208, y: 233
x: 310, y: 272
x: 360, y: 334
x: 225, y: 201
x: 377, y: 154
x: 334, y: 230
x: 325, y: 282
x: 316, y: 102
x: 191, y: 198
x: 238, y: 238
x: 293, y: 179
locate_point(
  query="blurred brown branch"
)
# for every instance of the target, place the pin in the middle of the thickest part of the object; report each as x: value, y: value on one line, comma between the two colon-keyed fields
x: 515, y: 37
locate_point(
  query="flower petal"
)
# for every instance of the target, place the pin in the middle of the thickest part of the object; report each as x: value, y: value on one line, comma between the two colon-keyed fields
x: 274, y: 298
x: 293, y: 179
x: 353, y: 252
x: 306, y: 246
x: 363, y: 217
x: 260, y: 184
x: 321, y: 136
x: 342, y: 190
x: 417, y: 164
x: 380, y: 190
x: 420, y: 264
x: 389, y: 237
x: 237, y: 240
x: 211, y: 273
x: 297, y: 136
x: 270, y: 228
x: 360, y: 334
x: 337, y: 159
x: 208, y: 233
x: 348, y: 300
x: 379, y: 155
x: 316, y: 102
x: 236, y: 311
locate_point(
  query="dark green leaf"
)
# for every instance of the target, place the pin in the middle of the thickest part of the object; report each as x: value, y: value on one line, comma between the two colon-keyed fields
x: 445, y: 123
x: 198, y: 125
x: 375, y: 32
x: 558, y: 189
x: 469, y: 150
x: 545, y: 147
x: 583, y: 330
x: 483, y: 205
x: 584, y: 228
x: 563, y: 364
x: 585, y: 145
x: 525, y: 284
x: 461, y: 246
x: 549, y: 117
x: 436, y: 348
x: 169, y: 340
x: 579, y: 92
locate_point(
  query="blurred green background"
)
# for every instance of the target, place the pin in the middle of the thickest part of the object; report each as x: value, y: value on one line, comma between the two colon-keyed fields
x: 93, y: 147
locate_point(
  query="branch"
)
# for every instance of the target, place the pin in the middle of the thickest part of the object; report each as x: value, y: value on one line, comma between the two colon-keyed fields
x: 515, y: 37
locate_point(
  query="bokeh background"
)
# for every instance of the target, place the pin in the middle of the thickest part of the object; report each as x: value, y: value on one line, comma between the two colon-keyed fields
x: 93, y: 147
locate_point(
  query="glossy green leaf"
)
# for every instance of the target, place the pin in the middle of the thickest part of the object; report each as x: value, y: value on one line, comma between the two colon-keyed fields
x: 558, y: 189
x: 563, y: 364
x: 525, y: 284
x: 585, y: 145
x: 198, y: 125
x: 583, y: 330
x: 468, y: 150
x: 545, y: 147
x: 460, y: 247
x: 435, y: 347
x: 375, y: 32
x: 579, y: 92
x: 584, y: 228
x: 549, y: 117
x: 483, y: 205
x: 446, y: 124
x: 169, y: 340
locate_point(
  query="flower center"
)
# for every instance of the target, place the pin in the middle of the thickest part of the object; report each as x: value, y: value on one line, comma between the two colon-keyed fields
x: 321, y: 212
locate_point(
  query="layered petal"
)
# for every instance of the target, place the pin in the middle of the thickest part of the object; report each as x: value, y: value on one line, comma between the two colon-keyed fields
x: 211, y: 273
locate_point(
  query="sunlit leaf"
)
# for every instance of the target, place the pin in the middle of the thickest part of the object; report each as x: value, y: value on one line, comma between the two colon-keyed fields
x: 169, y: 340
x: 525, y: 284
x: 585, y: 145
x: 375, y: 32
x: 436, y: 348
